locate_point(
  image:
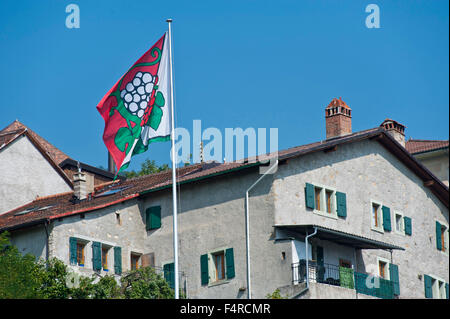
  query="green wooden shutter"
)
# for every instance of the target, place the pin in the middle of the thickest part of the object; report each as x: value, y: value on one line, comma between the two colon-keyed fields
x: 153, y: 217
x: 386, y: 218
x: 446, y: 289
x: 408, y: 225
x: 96, y: 256
x: 394, y: 277
x: 428, y: 286
x: 438, y: 236
x: 309, y: 195
x: 204, y: 269
x: 229, y: 262
x: 169, y: 274
x: 341, y: 201
x: 73, y: 250
x: 118, y: 260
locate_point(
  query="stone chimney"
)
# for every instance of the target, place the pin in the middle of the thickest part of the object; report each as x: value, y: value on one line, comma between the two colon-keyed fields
x: 79, y: 184
x: 395, y: 129
x: 338, y: 118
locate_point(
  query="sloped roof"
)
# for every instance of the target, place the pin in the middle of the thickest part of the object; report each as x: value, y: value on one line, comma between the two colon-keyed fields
x: 56, y: 155
x: 421, y: 146
x: 62, y: 205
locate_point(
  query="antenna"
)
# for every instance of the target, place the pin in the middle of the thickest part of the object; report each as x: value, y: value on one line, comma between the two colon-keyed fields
x: 201, y: 152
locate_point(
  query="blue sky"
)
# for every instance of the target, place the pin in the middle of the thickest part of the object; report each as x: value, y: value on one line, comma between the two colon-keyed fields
x: 237, y: 64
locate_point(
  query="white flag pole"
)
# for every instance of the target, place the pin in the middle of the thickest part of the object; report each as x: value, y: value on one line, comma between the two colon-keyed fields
x: 174, y: 175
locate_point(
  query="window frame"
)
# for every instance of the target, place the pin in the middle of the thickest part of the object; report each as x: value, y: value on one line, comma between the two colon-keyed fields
x: 445, y: 244
x: 438, y: 291
x: 107, y: 248
x: 323, y: 201
x: 402, y: 221
x: 83, y: 253
x: 212, y: 271
x: 139, y: 263
x: 386, y: 269
x: 378, y: 228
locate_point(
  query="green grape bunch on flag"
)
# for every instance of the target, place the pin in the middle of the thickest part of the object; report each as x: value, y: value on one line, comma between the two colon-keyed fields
x: 136, y: 109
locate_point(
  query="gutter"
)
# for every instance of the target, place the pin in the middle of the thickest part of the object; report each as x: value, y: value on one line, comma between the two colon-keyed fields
x: 93, y: 208
x: 247, y: 227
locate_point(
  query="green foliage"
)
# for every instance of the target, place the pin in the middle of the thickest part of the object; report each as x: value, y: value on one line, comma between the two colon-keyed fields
x: 23, y: 277
x: 52, y: 278
x: 275, y: 295
x: 145, y: 283
x: 147, y: 167
x: 18, y: 273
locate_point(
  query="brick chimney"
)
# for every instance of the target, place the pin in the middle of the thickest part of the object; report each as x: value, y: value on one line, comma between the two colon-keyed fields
x: 79, y: 184
x: 395, y: 129
x: 338, y: 118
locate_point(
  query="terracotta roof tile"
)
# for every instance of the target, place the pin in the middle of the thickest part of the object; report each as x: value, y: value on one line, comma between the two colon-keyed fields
x: 63, y: 205
x: 419, y: 146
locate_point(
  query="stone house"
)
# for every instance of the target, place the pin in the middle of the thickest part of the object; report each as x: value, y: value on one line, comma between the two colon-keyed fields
x: 352, y: 216
x: 31, y: 167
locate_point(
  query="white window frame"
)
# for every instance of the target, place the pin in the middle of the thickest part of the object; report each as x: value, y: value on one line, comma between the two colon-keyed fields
x: 380, y: 228
x: 323, y: 199
x: 437, y: 291
x: 402, y: 219
x: 446, y: 238
x: 387, y: 262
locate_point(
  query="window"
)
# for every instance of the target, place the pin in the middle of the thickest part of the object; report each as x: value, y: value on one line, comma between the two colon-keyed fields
x: 442, y: 237
x: 435, y: 287
x: 399, y: 223
x: 377, y: 216
x: 217, y: 266
x: 317, y: 191
x: 328, y: 198
x: 105, y: 258
x: 383, y: 268
x: 135, y: 261
x: 80, y: 254
x: 325, y: 201
x: 77, y: 251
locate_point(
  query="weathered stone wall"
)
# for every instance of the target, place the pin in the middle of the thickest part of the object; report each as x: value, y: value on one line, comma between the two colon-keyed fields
x: 366, y: 171
x: 31, y: 241
x: 212, y: 216
x: 102, y: 226
x: 25, y: 174
x: 437, y: 162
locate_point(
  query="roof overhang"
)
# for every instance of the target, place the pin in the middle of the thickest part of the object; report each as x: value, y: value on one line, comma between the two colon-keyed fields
x: 339, y: 237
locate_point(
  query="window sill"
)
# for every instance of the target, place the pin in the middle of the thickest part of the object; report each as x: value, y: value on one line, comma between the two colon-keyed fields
x: 400, y: 233
x: 325, y: 214
x: 378, y: 230
x: 218, y: 283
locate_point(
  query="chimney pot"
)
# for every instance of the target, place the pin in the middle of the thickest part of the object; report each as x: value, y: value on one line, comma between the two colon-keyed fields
x: 79, y: 185
x: 338, y: 119
x: 395, y: 129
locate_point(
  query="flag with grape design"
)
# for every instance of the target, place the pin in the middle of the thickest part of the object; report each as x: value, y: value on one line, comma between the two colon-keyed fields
x: 136, y: 109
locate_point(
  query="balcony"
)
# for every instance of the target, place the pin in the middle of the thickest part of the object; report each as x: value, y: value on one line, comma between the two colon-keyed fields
x: 343, y: 277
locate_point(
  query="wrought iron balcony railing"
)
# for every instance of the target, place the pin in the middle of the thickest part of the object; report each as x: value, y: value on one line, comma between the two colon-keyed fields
x: 344, y: 277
